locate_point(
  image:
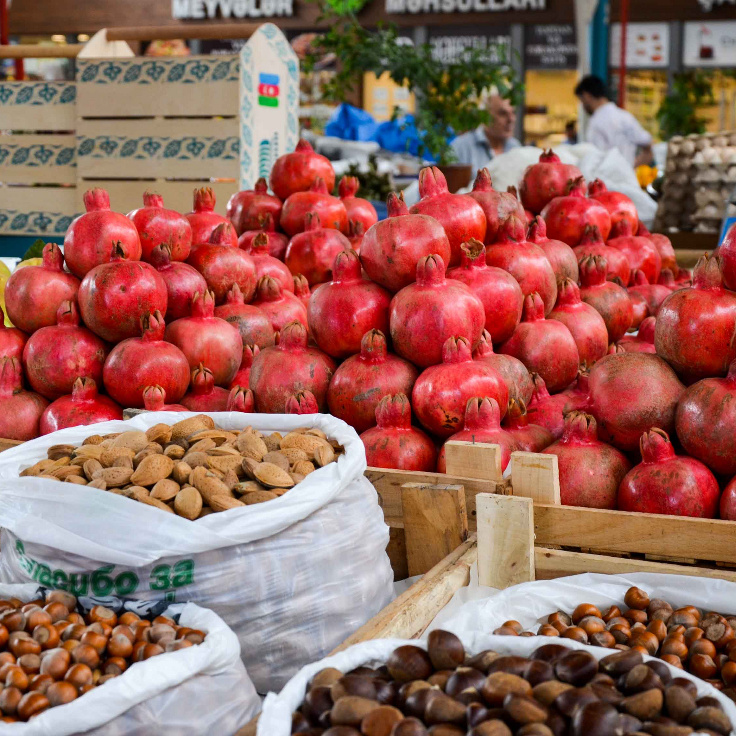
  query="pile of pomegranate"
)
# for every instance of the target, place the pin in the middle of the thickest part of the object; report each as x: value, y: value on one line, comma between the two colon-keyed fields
x: 576, y: 335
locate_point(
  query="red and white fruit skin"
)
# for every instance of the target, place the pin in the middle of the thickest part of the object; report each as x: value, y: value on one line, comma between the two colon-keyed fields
x: 359, y: 210
x: 727, y: 253
x: 653, y: 294
x: 619, y: 206
x: 441, y: 392
x: 608, y: 299
x: 203, y: 395
x: 363, y: 380
x: 585, y: 324
x: 291, y: 366
x: 317, y: 200
x: 728, y: 501
x: 460, y: 215
x: 394, y: 442
x: 617, y: 264
x: 54, y: 357
x: 209, y: 340
x: 204, y: 220
x: 517, y: 378
x: 240, y: 399
x: 546, y: 180
x: 498, y: 290
x: 297, y: 171
x: 313, y: 251
x: 253, y: 324
x: 482, y: 423
x: 277, y: 242
x: 157, y: 225
x: 245, y: 209
x: 663, y: 244
x: 590, y: 470
x: 33, y: 294
x: 664, y: 483
x: 242, y: 377
x: 667, y: 278
x: 182, y: 282
x: 425, y: 314
x: 560, y: 255
x: 267, y: 265
x: 12, y: 340
x: 356, y: 233
x: 643, y: 341
x: 496, y: 206
x: 525, y: 261
x: 301, y: 289
x: 568, y: 216
x: 631, y: 393
x: 639, y: 251
x: 545, y: 410
x: 280, y: 307
x: 302, y: 402
x: 529, y: 437
x: 83, y: 407
x: 19, y: 419
x: 114, y: 297
x: 89, y: 238
x: 343, y: 310
x: 639, y: 309
x: 391, y: 249
x: 154, y: 399
x: 696, y: 327
x: 144, y: 361
x: 544, y: 346
x: 578, y: 394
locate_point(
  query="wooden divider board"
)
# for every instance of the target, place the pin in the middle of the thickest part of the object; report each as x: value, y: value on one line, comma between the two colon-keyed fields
x: 535, y: 476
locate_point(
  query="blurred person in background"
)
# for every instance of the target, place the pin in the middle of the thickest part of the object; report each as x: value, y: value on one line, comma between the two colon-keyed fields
x: 610, y: 126
x: 571, y: 132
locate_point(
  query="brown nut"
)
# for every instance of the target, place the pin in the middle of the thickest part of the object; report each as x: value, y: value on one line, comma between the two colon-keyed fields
x: 55, y: 662
x: 499, y: 684
x: 85, y: 654
x: 380, y: 721
x: 612, y: 612
x: 592, y: 624
x: 547, y: 630
x: 524, y: 709
x: 104, y: 615
x: 635, y: 615
x: 46, y: 635
x: 547, y: 692
x: 645, y: 705
x: 636, y: 598
x: 30, y: 663
x: 620, y: 663
x: 79, y: 675
x: 351, y: 710
x: 444, y: 709
x: 9, y: 699
x: 41, y: 683
x: 645, y: 639
x: 703, y: 646
x: 576, y: 668
x: 583, y: 610
x: 658, y: 628
x: 114, y: 666
x: 60, y: 693
x: 702, y: 666
x: 16, y: 677
x: 673, y: 646
x: 680, y: 703
x: 409, y: 663
x: 31, y: 704
x: 712, y: 719
x: 603, y: 639
x: 575, y: 633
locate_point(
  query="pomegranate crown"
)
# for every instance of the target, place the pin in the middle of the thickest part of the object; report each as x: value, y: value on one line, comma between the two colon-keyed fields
x: 516, y: 414
x: 346, y: 266
x: 154, y: 398
x: 53, y: 258
x: 431, y: 270
x: 203, y: 380
x: 707, y: 273
x: 395, y: 205
x: 576, y: 187
x: 432, y: 182
x: 249, y: 354
x: 153, y: 326
x: 84, y: 389
x: 11, y: 377
x: 268, y: 289
x: 152, y: 199
x: 621, y: 229
x: 118, y: 252
x: 204, y: 200
x: 203, y: 304
x: 646, y: 330
x: 533, y: 308
x: 319, y: 186
x: 638, y: 277
x: 96, y: 199
x: 568, y: 292
x: 643, y: 230
x: 482, y: 413
x: 302, y: 402
x: 222, y: 234
x: 160, y: 256
x: 483, y: 182
x: 667, y: 278
x: 293, y: 337
x: 240, y: 399
x: 549, y: 157
x: 512, y: 230
x: 373, y: 347
x: 540, y: 389
x: 592, y: 235
x: 596, y: 187
x: 259, y: 245
x: 67, y: 314
x: 394, y: 412
x: 312, y: 221
x: 513, y: 191
x: 473, y: 254
x: 261, y: 186
x: 655, y: 446
x: 301, y: 285
x: 485, y: 346
x: 234, y: 295
x: 356, y: 229
x: 304, y: 146
x: 348, y: 187
x: 456, y: 350
x: 265, y: 220
x: 537, y: 230
x: 593, y: 270
x: 580, y: 427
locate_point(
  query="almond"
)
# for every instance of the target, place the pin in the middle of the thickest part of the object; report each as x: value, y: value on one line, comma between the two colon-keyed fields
x: 251, y: 446
x: 115, y: 477
x: 202, y: 445
x: 136, y: 493
x: 159, y: 433
x: 89, y: 451
x: 78, y: 480
x: 145, y: 452
x: 152, y: 469
x: 91, y: 466
x: 294, y: 454
x: 56, y: 452
x: 231, y: 479
x: 196, y: 458
x: 188, y: 427
x: 158, y: 504
x: 188, y: 503
x: 303, y: 467
x: 249, y: 499
x: 224, y: 503
x: 211, y: 488
x: 307, y: 442
x: 249, y: 466
x: 226, y: 463
x: 248, y: 486
x: 273, y: 441
x: 181, y: 472
x: 206, y: 511
x: 67, y: 471
x: 175, y: 452
x: 97, y: 483
x: 279, y: 491
x: 94, y: 439
x: 317, y: 433
x: 165, y: 489
x: 277, y: 458
x: 223, y: 451
x: 110, y: 454
x: 272, y: 476
x: 324, y: 454
x: 220, y: 436
x: 122, y: 461
x: 40, y: 467
x: 134, y: 440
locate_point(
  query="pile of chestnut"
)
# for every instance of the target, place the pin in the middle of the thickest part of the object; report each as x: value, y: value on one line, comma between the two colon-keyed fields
x: 50, y: 654
x: 701, y: 642
x: 557, y: 691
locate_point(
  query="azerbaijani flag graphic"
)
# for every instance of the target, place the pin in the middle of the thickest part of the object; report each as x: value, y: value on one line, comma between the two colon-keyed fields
x: 268, y: 90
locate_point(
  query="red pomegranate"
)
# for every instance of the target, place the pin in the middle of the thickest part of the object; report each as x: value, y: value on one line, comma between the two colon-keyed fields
x: 392, y: 248
x: 240, y: 399
x: 154, y: 399
x: 182, y: 282
x: 297, y: 171
x: 267, y: 265
x: 288, y: 367
x: 343, y: 310
x: 684, y: 277
x: 12, y: 340
x: 727, y: 253
x: 245, y: 209
x: 546, y: 180
x: 89, y: 238
x: 394, y: 443
x: 21, y: 409
x: 482, y: 424
x: 317, y: 200
x: 364, y: 379
x: 608, y: 299
x: 578, y: 394
x: 631, y: 393
x: 528, y: 437
x: 567, y: 216
x: 663, y: 244
x: 203, y: 395
x: 643, y: 341
x: 302, y: 402
x: 664, y: 483
x: 653, y: 294
x: 512, y: 370
x: 253, y: 324
x: 206, y: 339
x: 496, y: 206
x: 617, y: 264
x: 545, y: 410
x: 525, y: 261
x: 728, y: 501
x: 204, y: 220
x: 544, y: 346
x: 667, y: 278
x: 640, y: 309
x: 460, y: 215
x: 280, y: 307
x: 619, y: 206
x: 696, y: 326
x: 425, y: 314
x: 590, y: 470
x: 640, y: 252
x: 84, y: 406
x: 277, y: 242
x: 301, y: 289
x: 242, y: 377
x: 560, y: 255
x: 113, y: 297
x: 145, y: 361
x: 498, y: 290
x: 441, y: 392
x: 586, y: 326
x: 356, y: 233
x: 54, y: 357
x: 33, y: 294
x: 158, y: 226
x: 222, y: 266
x: 313, y: 251
x: 359, y: 210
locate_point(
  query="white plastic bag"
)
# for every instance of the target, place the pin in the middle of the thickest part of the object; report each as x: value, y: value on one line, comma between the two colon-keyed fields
x: 202, y: 689
x: 292, y: 577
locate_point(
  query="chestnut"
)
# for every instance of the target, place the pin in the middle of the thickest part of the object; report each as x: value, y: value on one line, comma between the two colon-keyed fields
x: 510, y: 664
x: 663, y: 671
x: 547, y: 630
x: 576, y: 668
x: 499, y: 684
x: 549, y: 652
x: 620, y: 663
x: 680, y: 703
x: 641, y: 678
x: 575, y: 633
x: 380, y: 721
x: 443, y: 709
x: 409, y: 663
x: 360, y: 685
x: 537, y: 672
x: 350, y: 710
x: 445, y: 650
x: 595, y: 718
x: 569, y: 701
x: 407, y: 727
x: 583, y: 610
x: 636, y: 598
x: 524, y: 709
x: 31, y: 704
x: 60, y: 693
x: 465, y: 680
x: 415, y: 703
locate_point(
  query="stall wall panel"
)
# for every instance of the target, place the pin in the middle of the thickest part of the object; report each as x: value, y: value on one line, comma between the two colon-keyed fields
x: 37, y: 159
x: 38, y: 106
x: 37, y: 211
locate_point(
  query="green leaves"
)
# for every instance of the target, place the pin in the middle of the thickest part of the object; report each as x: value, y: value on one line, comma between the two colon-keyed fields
x: 35, y: 251
x: 677, y: 115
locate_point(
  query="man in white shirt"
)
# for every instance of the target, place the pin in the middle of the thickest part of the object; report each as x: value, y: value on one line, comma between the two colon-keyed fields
x: 610, y: 126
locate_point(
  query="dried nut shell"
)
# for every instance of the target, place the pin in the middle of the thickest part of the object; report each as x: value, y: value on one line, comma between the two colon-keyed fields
x: 145, y: 452
x: 231, y: 479
x: 249, y: 466
x: 122, y: 461
x: 206, y: 511
x: 251, y: 446
x: 97, y: 483
x: 181, y: 472
x: 297, y: 477
x: 160, y: 433
x: 303, y: 467
x: 67, y: 471
x: 258, y: 497
x: 317, y: 433
x: 211, y: 487
x: 277, y: 458
x: 188, y: 503
x: 248, y: 486
x: 56, y: 452
x: 223, y: 451
x: 110, y: 454
x: 158, y: 504
x: 91, y: 467
x: 202, y: 445
x: 165, y: 489
x: 220, y: 436
x: 197, y: 458
x: 40, y: 467
x: 133, y: 439
x: 294, y: 454
x: 272, y: 476
x: 78, y: 480
x: 324, y: 455
x: 224, y: 503
x: 280, y: 491
x: 307, y: 442
x: 188, y: 427
x: 175, y: 452
x: 94, y: 439
x: 89, y: 451
x: 152, y: 469
x: 273, y: 441
x: 137, y: 493
x: 115, y: 477
x: 226, y: 463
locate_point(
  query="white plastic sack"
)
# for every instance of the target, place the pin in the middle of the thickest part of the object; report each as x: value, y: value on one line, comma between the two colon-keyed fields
x: 292, y: 577
x: 202, y: 689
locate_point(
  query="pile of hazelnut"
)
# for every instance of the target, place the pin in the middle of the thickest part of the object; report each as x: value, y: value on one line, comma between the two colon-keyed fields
x: 556, y: 691
x: 50, y: 654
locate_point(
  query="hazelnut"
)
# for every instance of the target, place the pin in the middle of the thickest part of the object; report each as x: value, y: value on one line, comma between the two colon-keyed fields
x: 61, y: 596
x: 75, y: 618
x: 128, y: 618
x: 31, y: 704
x: 119, y: 646
x: 13, y: 620
x: 36, y: 617
x: 73, y: 631
x: 603, y: 639
x: 671, y: 659
x: 57, y: 611
x: 646, y: 639
x: 513, y: 624
x: 583, y: 610
x: 114, y: 666
x: 636, y: 598
x: 55, y: 662
x: 505, y: 631
x: 104, y: 615
x: 685, y: 617
x: 21, y: 643
x: 547, y: 630
x: 60, y: 693
x: 175, y: 646
x: 9, y: 699
x: 79, y: 675
x: 635, y: 615
x: 720, y: 633
x: 559, y: 620
x: 164, y: 620
x: 702, y: 666
x: 16, y: 677
x: 658, y: 628
x: 693, y: 634
x: 4, y: 633
x: 592, y: 624
x: 409, y: 663
x: 674, y: 646
x: 30, y: 663
x: 620, y: 632
x: 703, y: 646
x: 40, y: 683
x: 612, y: 612
x: 46, y: 635
x: 195, y: 636
x: 150, y: 650
x: 728, y: 673
x: 85, y: 654
x: 126, y: 631
x: 97, y: 641
x: 657, y: 604
x: 161, y: 634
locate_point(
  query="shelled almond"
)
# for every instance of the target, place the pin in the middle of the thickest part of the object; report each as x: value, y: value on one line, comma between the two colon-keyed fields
x: 191, y: 468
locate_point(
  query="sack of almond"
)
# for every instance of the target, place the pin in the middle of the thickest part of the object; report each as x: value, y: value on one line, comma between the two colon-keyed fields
x: 255, y: 516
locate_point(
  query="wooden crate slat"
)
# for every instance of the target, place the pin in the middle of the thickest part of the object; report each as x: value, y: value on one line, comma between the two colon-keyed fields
x: 38, y: 105
x: 37, y: 211
x: 38, y: 159
x: 159, y: 127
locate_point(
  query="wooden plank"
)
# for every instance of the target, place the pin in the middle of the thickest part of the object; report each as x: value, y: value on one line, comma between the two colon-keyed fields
x: 535, y: 476
x: 473, y: 460
x: 158, y: 127
x: 38, y: 105
x: 38, y: 159
x: 187, y: 30
x: 37, y: 211
x: 505, y: 540
x: 396, y: 552
x: 435, y: 523
x: 8, y: 444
